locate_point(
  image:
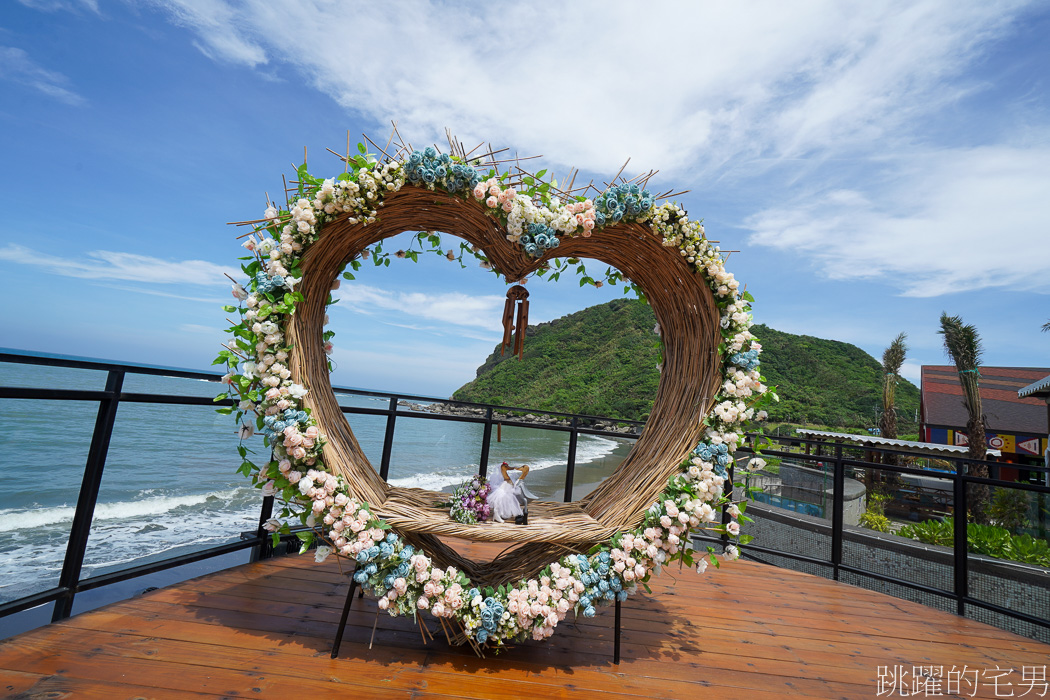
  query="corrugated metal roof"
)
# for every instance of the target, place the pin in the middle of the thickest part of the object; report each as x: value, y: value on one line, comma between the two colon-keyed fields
x: 1039, y: 389
x: 909, y: 445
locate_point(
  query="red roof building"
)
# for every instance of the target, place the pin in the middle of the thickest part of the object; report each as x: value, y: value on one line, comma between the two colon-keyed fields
x: 1015, y: 426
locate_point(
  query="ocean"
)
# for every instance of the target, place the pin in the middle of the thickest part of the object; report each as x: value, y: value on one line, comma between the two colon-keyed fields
x: 170, y: 484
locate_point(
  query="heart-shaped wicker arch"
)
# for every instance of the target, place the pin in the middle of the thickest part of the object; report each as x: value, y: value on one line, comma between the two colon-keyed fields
x: 687, y: 314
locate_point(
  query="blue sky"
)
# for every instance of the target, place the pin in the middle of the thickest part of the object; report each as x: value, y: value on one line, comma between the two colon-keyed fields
x: 874, y: 165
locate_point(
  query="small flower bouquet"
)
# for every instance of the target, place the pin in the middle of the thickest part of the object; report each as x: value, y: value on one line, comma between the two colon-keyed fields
x: 469, y: 502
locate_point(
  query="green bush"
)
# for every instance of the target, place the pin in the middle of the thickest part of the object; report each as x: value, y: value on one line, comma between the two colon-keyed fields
x: 989, y: 540
x: 874, y: 521
x: 874, y: 516
x: 1009, y: 509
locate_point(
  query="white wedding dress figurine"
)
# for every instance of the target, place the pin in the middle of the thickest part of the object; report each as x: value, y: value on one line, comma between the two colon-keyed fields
x: 507, y: 499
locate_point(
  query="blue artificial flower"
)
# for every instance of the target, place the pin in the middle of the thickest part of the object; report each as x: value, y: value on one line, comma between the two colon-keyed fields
x: 483, y: 634
x: 386, y: 549
x: 279, y: 426
x: 430, y: 152
x: 588, y: 611
x: 604, y: 557
x: 583, y: 562
x: 415, y: 159
x: 541, y: 240
x: 414, y: 176
x: 608, y: 595
x: 278, y: 281
x: 585, y: 600
x: 371, y: 569
x: 621, y: 596
x: 603, y: 585
x: 361, y: 577
x: 362, y: 556
x: 373, y: 552
x: 473, y: 593
x: 391, y: 538
x: 389, y: 581
x: 407, y: 552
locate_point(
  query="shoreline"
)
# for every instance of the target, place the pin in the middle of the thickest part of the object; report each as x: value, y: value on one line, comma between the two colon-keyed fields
x: 549, y: 484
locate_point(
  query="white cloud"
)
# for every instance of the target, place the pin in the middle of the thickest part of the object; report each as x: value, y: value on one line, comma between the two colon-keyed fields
x: 55, y: 5
x: 687, y: 87
x: 215, y: 23
x: 912, y: 371
x: 953, y: 221
x: 16, y: 66
x: 110, y: 265
x: 450, y: 307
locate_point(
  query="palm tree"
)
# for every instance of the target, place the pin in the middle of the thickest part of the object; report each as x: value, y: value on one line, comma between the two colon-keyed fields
x: 963, y: 346
x: 892, y: 359
x: 1046, y: 327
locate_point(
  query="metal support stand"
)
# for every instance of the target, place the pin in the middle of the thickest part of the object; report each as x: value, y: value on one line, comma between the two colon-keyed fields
x: 616, y: 635
x: 342, y: 620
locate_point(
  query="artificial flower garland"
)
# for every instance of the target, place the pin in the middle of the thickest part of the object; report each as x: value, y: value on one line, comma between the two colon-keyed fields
x: 405, y: 580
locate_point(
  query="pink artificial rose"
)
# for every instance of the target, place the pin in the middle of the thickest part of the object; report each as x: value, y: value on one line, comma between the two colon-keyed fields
x: 491, y: 202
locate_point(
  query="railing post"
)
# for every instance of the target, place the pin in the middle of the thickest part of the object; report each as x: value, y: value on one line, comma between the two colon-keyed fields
x: 570, y: 466
x: 961, y: 554
x: 837, y: 516
x: 89, y: 488
x: 730, y: 474
x: 486, y: 438
x: 388, y: 439
x: 265, y: 549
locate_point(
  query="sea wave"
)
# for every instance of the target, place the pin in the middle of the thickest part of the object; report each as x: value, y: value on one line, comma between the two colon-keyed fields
x: 23, y: 518
x: 589, y: 448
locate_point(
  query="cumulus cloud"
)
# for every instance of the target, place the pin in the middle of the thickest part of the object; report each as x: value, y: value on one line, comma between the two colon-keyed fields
x: 952, y: 221
x: 450, y: 307
x: 110, y: 265
x: 17, y: 67
x: 687, y: 87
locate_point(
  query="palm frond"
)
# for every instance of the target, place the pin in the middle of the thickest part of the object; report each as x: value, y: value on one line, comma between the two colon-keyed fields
x: 894, y: 355
x: 961, y: 343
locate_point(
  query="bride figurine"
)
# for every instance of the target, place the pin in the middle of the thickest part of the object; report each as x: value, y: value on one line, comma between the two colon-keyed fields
x: 507, y: 499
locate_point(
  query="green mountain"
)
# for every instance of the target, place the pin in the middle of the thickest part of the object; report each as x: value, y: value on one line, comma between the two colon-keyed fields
x: 602, y: 361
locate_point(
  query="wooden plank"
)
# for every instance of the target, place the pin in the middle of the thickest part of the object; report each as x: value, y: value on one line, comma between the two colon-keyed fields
x: 746, y: 630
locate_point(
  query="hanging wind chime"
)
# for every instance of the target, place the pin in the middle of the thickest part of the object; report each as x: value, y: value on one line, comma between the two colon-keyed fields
x: 515, y: 323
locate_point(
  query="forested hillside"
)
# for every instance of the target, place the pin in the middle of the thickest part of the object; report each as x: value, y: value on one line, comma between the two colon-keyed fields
x: 602, y: 361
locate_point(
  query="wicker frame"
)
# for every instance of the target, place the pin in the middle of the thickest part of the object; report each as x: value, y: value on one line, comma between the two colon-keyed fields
x: 687, y: 314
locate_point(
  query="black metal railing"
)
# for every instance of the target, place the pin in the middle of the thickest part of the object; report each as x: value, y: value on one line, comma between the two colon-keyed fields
x: 839, y: 458
x: 70, y: 581
x: 836, y: 457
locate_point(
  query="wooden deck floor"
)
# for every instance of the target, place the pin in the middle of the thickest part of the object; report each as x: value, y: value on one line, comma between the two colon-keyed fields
x: 745, y: 631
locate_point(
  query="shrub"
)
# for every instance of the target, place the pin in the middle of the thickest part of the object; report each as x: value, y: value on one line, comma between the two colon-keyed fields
x: 989, y: 540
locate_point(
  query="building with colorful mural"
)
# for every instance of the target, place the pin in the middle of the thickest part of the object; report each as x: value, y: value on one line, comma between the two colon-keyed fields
x: 1017, y: 427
